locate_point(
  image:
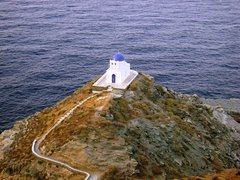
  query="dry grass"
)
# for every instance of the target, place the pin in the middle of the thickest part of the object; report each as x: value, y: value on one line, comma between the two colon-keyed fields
x: 20, y: 152
x: 228, y: 174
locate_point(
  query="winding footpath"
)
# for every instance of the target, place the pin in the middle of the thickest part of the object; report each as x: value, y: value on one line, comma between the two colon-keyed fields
x: 36, y: 143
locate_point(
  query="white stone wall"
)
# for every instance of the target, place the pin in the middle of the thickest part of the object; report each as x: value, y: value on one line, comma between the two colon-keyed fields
x: 120, y: 68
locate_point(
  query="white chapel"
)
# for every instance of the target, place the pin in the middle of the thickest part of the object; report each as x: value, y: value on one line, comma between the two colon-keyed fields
x: 118, y: 75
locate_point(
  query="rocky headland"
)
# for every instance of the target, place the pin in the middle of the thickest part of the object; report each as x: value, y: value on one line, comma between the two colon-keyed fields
x: 231, y: 106
x: 145, y: 132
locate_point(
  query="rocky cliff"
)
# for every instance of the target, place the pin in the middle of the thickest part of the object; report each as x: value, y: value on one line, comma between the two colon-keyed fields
x: 145, y: 132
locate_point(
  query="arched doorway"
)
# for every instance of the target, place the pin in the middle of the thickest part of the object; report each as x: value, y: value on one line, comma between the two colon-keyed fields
x: 113, y: 78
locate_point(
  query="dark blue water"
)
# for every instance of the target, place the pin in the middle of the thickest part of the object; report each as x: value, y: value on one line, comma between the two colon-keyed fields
x: 49, y: 48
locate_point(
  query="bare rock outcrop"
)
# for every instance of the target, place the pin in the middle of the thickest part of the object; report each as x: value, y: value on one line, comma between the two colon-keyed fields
x: 7, y: 137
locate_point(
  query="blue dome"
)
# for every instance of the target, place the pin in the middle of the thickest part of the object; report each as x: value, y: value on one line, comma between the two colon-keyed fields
x: 118, y: 57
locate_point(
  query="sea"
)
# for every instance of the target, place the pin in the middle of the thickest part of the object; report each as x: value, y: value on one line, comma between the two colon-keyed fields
x: 50, y: 48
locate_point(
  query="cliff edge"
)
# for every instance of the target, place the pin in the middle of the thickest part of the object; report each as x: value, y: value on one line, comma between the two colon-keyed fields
x: 144, y: 132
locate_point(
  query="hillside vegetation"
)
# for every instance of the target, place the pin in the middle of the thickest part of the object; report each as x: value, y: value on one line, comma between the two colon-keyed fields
x: 150, y: 132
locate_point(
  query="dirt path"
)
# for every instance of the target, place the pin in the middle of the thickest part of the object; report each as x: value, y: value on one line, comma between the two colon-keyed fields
x: 36, y: 143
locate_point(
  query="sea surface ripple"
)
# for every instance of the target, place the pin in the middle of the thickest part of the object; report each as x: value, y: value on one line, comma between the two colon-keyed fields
x: 49, y: 48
